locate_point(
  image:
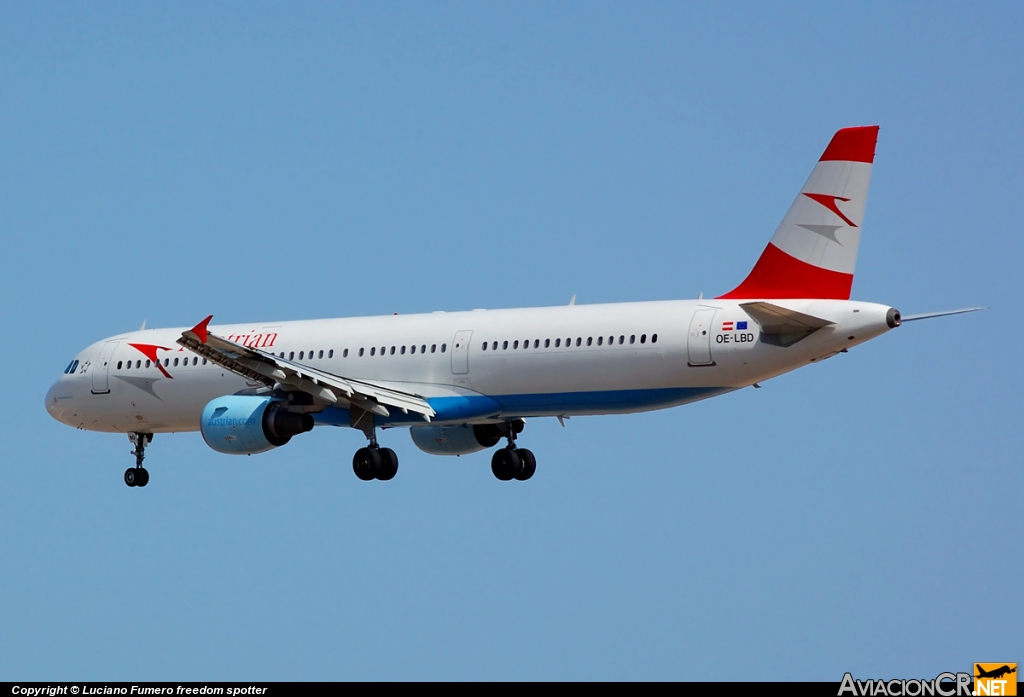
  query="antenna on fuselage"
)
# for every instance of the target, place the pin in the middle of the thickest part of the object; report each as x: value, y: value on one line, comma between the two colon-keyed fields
x: 700, y: 296
x: 572, y: 300
x: 143, y: 327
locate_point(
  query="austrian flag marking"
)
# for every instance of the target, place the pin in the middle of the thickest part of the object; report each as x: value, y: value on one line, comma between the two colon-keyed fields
x: 731, y: 326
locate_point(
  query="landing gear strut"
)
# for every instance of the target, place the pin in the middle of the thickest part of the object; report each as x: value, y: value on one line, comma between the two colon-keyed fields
x: 511, y: 462
x: 138, y: 475
x: 373, y: 461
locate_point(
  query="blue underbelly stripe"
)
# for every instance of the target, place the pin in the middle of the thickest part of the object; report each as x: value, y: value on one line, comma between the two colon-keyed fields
x: 470, y: 407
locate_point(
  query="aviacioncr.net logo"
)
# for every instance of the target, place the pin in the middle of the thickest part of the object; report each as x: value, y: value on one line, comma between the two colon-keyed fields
x: 943, y: 685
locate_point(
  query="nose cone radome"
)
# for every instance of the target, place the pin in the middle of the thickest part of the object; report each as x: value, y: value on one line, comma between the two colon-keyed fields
x: 56, y: 402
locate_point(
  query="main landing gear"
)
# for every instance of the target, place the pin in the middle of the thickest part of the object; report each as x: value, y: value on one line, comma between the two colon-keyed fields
x: 511, y: 462
x: 375, y: 462
x: 138, y: 475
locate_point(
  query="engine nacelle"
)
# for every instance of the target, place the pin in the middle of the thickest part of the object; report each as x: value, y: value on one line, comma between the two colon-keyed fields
x: 243, y: 425
x: 460, y: 440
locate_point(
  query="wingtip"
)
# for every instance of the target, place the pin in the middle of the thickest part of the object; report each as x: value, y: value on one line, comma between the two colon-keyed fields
x: 200, y: 329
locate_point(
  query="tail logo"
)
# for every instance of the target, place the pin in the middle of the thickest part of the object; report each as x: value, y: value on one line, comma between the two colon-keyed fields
x: 829, y: 202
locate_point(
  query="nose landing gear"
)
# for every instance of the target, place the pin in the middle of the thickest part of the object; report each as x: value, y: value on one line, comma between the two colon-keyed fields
x: 510, y: 462
x: 138, y: 475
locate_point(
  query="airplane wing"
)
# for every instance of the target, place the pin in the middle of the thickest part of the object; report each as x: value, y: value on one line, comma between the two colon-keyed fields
x: 271, y: 370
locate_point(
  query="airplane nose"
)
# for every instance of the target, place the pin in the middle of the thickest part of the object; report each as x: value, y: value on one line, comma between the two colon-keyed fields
x: 54, y: 404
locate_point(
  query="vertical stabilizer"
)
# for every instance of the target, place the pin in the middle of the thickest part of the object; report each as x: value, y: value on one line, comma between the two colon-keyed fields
x: 814, y: 250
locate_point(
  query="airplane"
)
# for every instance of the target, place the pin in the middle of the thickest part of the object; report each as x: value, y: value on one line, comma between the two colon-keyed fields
x: 462, y: 382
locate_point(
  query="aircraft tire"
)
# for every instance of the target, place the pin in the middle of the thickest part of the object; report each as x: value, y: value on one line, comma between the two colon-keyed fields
x: 131, y: 477
x: 529, y: 465
x: 388, y: 464
x: 143, y: 477
x: 366, y: 463
x: 505, y: 463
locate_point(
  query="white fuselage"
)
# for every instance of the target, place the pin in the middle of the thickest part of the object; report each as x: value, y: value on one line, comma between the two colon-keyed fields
x: 549, y: 361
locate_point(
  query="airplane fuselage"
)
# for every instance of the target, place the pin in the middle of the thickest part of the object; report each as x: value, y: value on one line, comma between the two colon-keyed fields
x: 470, y: 366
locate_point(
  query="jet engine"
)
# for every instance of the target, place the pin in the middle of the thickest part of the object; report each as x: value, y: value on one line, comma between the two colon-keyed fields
x: 462, y: 439
x: 245, y: 425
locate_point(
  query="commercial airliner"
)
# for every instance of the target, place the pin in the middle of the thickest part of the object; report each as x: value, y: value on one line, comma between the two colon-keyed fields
x: 465, y: 381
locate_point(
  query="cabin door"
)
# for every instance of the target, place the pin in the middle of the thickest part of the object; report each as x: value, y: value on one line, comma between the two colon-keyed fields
x: 100, y: 383
x: 698, y: 343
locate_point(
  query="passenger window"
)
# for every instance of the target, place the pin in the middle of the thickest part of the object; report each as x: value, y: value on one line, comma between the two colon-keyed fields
x: 547, y: 343
x: 443, y: 347
x: 504, y: 345
x: 590, y: 340
x: 632, y: 338
x: 403, y: 351
x: 484, y: 347
x: 600, y: 340
x: 392, y: 350
x: 320, y: 354
x: 423, y: 348
x: 204, y: 361
x: 611, y: 340
x: 654, y: 338
x: 195, y: 361
x: 360, y: 353
x: 291, y: 355
x: 622, y: 339
x: 494, y: 346
x: 330, y: 354
x: 412, y: 349
x: 119, y: 365
x: 175, y: 362
x: 643, y: 338
x: 579, y: 340
x: 373, y: 350
x: 433, y: 348
x: 558, y: 342
x: 147, y: 364
x: 536, y: 343
x: 515, y: 344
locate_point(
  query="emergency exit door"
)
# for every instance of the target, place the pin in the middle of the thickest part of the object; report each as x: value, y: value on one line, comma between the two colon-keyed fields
x: 460, y: 352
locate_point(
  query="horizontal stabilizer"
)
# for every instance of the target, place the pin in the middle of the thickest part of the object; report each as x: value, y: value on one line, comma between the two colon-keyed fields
x: 929, y: 315
x: 781, y: 326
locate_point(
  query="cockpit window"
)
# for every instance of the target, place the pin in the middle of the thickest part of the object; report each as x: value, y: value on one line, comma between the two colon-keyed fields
x: 68, y: 369
x: 72, y: 367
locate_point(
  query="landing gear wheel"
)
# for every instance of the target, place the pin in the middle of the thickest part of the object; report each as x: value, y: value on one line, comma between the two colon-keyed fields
x: 505, y: 463
x: 142, y: 476
x: 366, y: 464
x: 529, y: 464
x: 131, y: 476
x: 388, y: 464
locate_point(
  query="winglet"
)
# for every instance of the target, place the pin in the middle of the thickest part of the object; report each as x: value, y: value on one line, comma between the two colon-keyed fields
x: 200, y: 329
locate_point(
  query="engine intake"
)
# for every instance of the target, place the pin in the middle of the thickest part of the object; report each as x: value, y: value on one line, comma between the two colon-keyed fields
x: 246, y: 425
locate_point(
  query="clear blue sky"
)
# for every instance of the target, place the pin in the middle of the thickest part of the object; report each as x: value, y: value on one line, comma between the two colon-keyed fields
x: 287, y: 161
